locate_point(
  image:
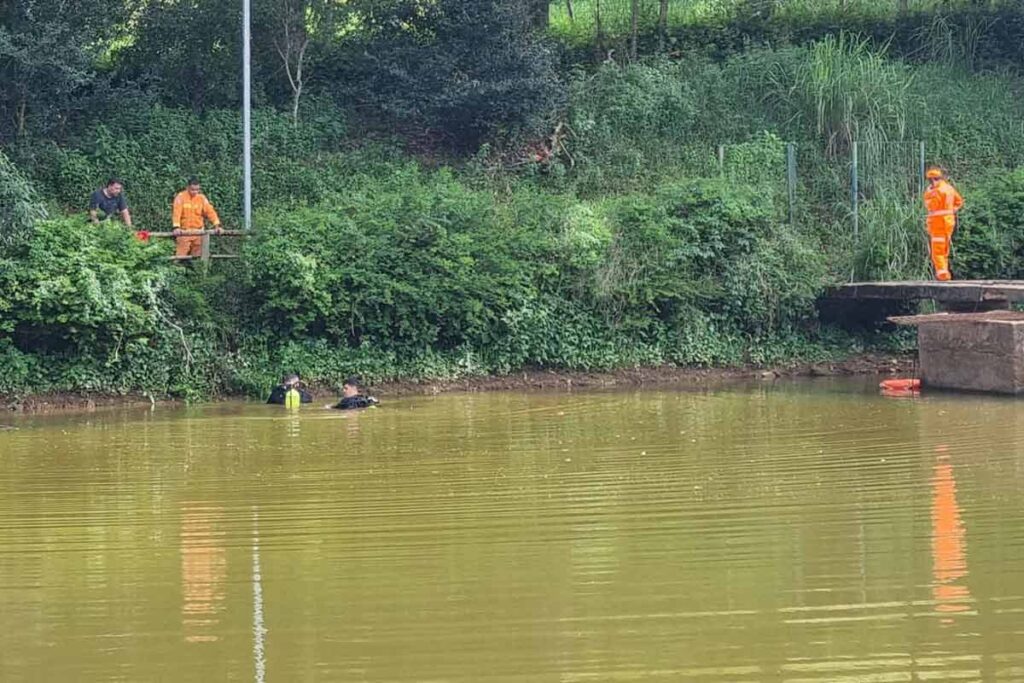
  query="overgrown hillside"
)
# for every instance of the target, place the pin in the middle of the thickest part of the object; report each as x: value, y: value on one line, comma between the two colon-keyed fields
x: 458, y: 191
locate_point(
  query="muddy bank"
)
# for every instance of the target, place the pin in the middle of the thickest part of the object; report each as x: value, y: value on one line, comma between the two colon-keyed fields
x: 71, y: 403
x: 868, y: 364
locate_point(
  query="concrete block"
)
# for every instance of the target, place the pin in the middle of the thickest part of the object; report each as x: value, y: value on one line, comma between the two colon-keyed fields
x: 983, y: 356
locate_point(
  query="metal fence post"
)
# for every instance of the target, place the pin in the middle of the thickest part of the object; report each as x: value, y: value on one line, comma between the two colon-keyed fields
x: 721, y: 160
x: 920, y: 178
x: 791, y: 181
x: 855, y: 193
x: 205, y: 254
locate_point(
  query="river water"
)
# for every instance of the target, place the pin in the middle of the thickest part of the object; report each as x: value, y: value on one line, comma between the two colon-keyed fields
x: 803, y: 531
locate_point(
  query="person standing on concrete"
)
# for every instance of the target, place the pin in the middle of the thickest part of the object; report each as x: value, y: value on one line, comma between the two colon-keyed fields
x: 109, y: 201
x: 190, y: 211
x: 942, y: 202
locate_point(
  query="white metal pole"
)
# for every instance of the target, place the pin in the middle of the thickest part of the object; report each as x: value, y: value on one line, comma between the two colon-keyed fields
x: 247, y: 111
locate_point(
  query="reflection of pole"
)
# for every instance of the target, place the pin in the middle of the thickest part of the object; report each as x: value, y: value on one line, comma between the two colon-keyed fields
x: 259, y: 632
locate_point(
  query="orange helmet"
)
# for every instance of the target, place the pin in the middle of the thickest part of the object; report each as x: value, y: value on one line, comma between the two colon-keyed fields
x: 933, y: 174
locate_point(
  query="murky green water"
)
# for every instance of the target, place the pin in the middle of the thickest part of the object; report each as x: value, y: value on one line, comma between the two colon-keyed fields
x: 799, y: 532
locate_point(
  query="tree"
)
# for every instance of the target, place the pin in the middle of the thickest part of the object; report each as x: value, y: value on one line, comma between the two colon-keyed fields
x: 540, y: 13
x: 191, y: 51
x: 464, y: 69
x: 291, y: 41
x: 48, y: 49
x: 662, y: 24
x: 634, y: 28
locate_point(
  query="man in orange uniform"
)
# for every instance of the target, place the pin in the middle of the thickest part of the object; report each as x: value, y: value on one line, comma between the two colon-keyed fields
x: 942, y: 201
x: 190, y: 211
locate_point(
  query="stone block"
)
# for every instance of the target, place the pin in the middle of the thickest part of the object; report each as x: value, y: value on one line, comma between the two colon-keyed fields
x: 983, y: 356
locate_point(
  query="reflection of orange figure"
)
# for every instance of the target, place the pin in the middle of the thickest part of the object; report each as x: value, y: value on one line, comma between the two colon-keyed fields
x: 949, y: 559
x: 203, y: 570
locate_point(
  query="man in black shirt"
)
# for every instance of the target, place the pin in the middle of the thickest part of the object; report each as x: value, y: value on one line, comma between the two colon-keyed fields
x: 351, y: 396
x: 110, y: 202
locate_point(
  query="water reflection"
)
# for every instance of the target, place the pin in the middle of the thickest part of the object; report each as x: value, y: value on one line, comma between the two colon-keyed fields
x: 949, y: 556
x: 203, y: 571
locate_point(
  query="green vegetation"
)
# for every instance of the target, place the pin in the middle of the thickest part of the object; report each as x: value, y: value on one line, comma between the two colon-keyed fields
x: 451, y: 191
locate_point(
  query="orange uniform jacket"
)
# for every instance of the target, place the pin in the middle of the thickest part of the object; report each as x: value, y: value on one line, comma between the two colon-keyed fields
x: 188, y: 211
x: 942, y: 202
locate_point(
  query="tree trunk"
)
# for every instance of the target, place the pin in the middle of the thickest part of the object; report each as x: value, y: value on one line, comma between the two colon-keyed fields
x: 599, y: 28
x: 634, y: 28
x: 570, y: 10
x: 22, y: 115
x: 540, y: 14
x: 663, y: 25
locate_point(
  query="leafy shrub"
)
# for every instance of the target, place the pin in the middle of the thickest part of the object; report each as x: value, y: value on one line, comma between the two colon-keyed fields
x: 989, y: 241
x: 80, y: 287
x: 706, y: 246
x: 466, y: 69
x: 418, y: 262
x: 20, y: 207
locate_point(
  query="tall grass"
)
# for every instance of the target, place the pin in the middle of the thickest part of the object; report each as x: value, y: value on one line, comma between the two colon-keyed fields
x: 615, y: 15
x: 891, y: 244
x: 845, y: 91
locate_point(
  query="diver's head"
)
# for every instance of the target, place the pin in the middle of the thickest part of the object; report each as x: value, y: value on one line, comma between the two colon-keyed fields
x: 351, y: 386
x: 290, y: 380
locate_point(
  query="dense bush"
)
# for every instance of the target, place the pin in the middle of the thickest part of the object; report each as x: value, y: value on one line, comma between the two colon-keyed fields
x: 467, y: 70
x: 414, y: 262
x: 155, y: 150
x: 20, y: 207
x: 79, y: 287
x: 989, y: 242
x: 423, y: 264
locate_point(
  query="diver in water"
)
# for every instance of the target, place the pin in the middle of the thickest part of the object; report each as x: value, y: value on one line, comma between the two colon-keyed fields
x: 279, y: 395
x: 352, y: 397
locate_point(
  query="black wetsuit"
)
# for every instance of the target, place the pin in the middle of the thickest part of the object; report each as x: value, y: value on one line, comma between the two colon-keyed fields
x: 356, y: 402
x: 280, y: 391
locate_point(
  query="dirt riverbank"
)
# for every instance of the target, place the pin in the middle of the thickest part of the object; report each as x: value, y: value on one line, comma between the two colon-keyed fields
x: 866, y: 364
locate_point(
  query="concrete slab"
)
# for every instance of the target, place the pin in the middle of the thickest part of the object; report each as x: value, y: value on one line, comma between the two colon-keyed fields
x: 952, y: 292
x: 978, y: 355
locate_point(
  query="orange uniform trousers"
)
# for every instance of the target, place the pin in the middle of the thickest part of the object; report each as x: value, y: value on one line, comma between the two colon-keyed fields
x: 188, y: 246
x: 940, y: 233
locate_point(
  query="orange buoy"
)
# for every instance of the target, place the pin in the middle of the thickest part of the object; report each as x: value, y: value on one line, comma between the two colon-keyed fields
x: 900, y: 387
